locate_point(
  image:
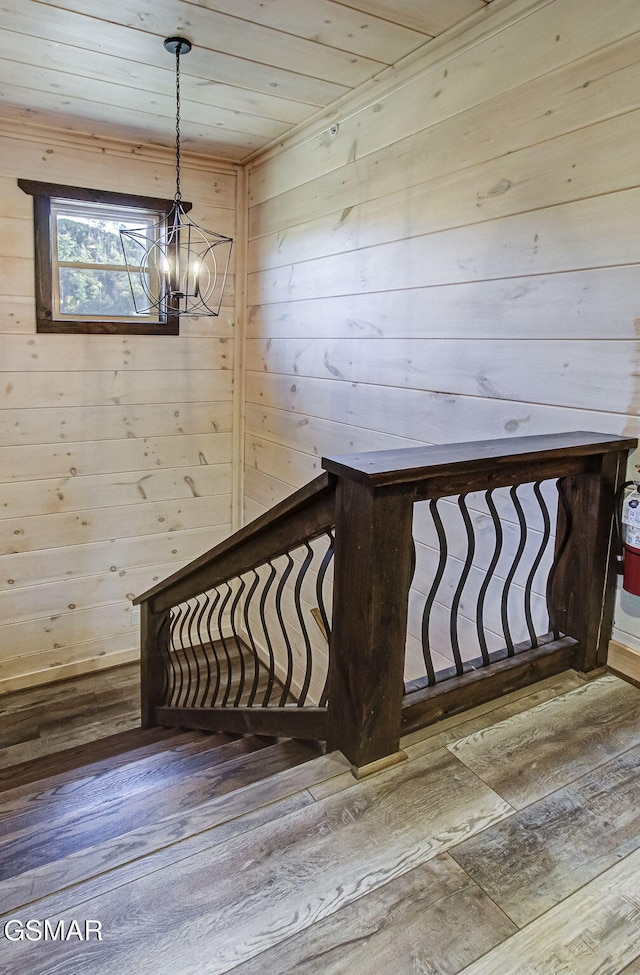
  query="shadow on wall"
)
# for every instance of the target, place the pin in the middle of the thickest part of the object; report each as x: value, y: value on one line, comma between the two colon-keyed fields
x: 629, y: 604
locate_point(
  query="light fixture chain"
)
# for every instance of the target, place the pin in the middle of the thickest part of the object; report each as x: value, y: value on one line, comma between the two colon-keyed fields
x: 178, y: 195
x: 174, y: 266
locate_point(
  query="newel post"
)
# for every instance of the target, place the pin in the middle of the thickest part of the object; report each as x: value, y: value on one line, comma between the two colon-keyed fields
x: 154, y: 641
x: 582, y: 590
x: 372, y: 575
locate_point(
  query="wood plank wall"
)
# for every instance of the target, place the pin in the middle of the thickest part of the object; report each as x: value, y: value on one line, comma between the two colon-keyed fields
x: 115, y: 451
x: 455, y: 255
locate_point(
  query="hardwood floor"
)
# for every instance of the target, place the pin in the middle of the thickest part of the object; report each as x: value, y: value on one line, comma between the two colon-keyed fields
x: 41, y: 721
x: 507, y: 844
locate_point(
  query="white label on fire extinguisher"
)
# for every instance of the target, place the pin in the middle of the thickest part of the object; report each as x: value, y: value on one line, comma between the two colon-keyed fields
x: 631, y: 512
x: 631, y: 519
x: 631, y: 509
x: 632, y: 536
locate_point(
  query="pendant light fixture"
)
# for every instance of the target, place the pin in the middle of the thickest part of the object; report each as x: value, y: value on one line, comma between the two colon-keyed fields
x: 179, y: 267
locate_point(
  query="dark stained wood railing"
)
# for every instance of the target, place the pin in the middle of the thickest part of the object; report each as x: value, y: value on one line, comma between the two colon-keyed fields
x: 367, y: 501
x: 174, y: 618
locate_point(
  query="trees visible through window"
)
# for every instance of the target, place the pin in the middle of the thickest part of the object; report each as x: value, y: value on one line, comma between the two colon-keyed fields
x: 81, y: 279
x: 90, y: 279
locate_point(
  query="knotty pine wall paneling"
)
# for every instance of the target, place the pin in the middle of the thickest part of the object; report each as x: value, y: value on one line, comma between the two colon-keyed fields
x: 456, y: 255
x: 115, y: 451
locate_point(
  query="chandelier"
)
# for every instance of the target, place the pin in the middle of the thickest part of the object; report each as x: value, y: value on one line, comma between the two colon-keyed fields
x: 176, y: 267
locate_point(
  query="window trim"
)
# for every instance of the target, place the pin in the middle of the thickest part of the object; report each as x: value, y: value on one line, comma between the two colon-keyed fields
x: 42, y: 194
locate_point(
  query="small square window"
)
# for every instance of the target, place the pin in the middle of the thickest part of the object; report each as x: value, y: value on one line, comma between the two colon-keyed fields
x: 82, y: 283
x: 89, y: 277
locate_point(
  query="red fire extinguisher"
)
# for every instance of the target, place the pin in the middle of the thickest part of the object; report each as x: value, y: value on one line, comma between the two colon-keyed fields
x: 630, y: 537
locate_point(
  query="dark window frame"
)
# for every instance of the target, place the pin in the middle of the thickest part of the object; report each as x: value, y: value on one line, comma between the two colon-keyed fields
x: 42, y: 194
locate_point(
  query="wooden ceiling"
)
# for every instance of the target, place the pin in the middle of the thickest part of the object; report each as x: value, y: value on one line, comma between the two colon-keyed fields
x: 257, y: 69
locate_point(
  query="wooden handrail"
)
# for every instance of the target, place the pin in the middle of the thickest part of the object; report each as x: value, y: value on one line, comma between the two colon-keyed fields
x: 443, y: 470
x: 298, y: 518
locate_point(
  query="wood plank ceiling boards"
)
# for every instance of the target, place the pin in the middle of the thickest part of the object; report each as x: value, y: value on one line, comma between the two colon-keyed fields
x: 257, y: 70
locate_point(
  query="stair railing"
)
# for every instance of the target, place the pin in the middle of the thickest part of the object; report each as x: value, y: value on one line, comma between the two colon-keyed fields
x: 368, y: 559
x: 221, y: 638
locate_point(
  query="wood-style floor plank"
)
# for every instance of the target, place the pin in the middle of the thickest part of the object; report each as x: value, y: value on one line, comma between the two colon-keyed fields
x: 211, y: 912
x: 110, y: 751
x: 593, y: 932
x: 67, y: 795
x: 546, y: 852
x: 68, y: 714
x: 532, y: 754
x: 508, y: 704
x: 458, y: 726
x: 429, y: 920
x: 78, y: 702
x: 81, y: 828
x: 62, y: 738
x: 632, y: 969
x: 16, y: 730
x: 78, y: 711
x: 115, y: 862
x: 41, y: 697
x: 308, y: 871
